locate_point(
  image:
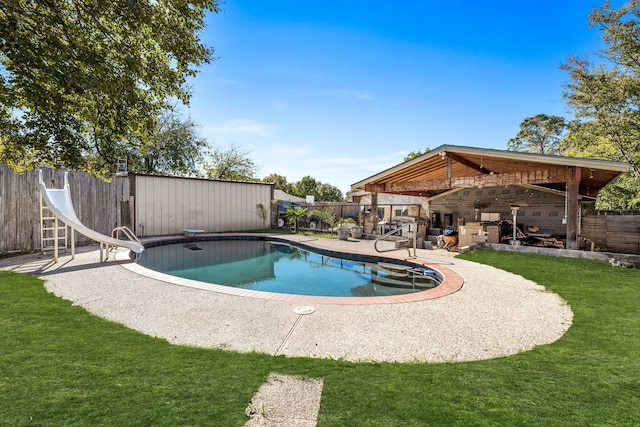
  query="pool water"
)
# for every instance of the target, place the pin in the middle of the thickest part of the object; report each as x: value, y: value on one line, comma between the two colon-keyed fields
x: 276, y: 267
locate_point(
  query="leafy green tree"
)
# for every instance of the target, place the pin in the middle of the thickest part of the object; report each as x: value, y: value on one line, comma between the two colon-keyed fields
x: 280, y: 181
x: 79, y: 77
x: 230, y: 163
x: 328, y: 193
x: 325, y: 216
x: 170, y: 145
x: 309, y: 186
x: 540, y: 134
x: 414, y: 154
x: 295, y: 215
x: 605, y: 99
x: 622, y: 193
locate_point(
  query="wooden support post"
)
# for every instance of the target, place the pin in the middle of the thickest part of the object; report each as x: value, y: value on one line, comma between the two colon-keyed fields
x: 573, y: 209
x: 73, y: 243
x: 56, y: 228
x: 373, y: 216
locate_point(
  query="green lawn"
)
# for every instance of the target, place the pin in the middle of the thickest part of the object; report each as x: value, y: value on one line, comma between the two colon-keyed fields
x: 60, y: 366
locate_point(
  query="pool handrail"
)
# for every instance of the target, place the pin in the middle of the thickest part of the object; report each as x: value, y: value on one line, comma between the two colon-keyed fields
x: 128, y: 233
x: 395, y: 230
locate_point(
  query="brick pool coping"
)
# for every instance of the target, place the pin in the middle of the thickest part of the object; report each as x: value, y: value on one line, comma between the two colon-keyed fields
x: 451, y: 283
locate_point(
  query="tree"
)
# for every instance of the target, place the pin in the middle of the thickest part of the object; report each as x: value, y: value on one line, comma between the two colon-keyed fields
x: 74, y: 75
x: 325, y: 216
x: 622, y: 193
x: 230, y: 163
x: 309, y: 186
x: 414, y: 154
x: 328, y: 193
x: 305, y: 187
x: 295, y: 215
x: 170, y: 145
x: 280, y: 182
x: 605, y: 99
x: 540, y: 134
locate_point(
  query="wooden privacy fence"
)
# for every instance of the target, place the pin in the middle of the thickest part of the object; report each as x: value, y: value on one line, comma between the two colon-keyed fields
x: 99, y: 205
x: 613, y: 233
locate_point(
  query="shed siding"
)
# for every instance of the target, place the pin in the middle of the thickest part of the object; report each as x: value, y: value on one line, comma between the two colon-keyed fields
x: 166, y: 205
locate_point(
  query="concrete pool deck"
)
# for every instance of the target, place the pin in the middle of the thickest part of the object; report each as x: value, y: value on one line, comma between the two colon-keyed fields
x: 493, y: 314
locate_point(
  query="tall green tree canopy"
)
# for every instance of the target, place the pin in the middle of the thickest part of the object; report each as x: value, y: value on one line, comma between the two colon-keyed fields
x: 280, y: 182
x: 73, y: 73
x: 605, y: 98
x: 230, y: 163
x: 309, y: 186
x: 540, y: 134
x: 170, y: 145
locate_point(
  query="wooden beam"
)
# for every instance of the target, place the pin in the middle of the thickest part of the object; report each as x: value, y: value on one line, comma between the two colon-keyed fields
x: 375, y: 188
x: 470, y: 164
x: 478, y: 181
x: 425, y: 185
x: 545, y: 189
x: 441, y: 195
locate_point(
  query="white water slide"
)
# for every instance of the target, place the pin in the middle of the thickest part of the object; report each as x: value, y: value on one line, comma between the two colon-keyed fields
x: 59, y: 203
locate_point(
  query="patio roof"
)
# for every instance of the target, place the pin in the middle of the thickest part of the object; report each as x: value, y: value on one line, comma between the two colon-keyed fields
x: 448, y: 167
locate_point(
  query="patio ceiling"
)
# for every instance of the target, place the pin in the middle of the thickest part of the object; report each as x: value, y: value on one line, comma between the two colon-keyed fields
x: 449, y: 167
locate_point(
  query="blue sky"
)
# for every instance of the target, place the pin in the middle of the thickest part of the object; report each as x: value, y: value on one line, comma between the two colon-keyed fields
x: 343, y: 90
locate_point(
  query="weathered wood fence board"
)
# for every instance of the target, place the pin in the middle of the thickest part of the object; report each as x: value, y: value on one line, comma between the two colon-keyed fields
x: 98, y: 205
x: 613, y: 233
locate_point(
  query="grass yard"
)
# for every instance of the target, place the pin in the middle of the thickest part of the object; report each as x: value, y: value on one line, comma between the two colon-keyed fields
x: 60, y: 365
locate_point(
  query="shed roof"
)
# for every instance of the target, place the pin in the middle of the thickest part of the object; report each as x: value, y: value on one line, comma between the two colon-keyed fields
x: 451, y: 166
x: 281, y: 195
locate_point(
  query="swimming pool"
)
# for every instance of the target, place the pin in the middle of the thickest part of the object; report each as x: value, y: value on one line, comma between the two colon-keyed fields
x: 270, y: 265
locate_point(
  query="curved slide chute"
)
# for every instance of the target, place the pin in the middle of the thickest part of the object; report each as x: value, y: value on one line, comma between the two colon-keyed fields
x: 59, y: 203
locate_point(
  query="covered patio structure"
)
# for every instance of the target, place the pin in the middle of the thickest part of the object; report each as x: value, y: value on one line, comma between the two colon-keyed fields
x: 458, y: 184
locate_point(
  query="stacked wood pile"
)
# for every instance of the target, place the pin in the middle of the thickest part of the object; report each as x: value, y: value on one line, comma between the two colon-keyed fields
x: 546, y: 242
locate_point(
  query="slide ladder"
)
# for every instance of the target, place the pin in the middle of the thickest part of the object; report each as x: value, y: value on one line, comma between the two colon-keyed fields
x: 56, y: 206
x: 53, y: 233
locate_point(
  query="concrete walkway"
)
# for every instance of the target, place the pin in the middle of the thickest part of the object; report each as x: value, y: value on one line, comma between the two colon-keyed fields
x: 494, y: 314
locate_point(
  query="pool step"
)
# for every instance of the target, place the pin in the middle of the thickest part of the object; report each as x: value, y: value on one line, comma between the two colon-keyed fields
x: 397, y: 270
x: 392, y: 269
x: 404, y: 276
x: 419, y: 282
x: 402, y: 243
